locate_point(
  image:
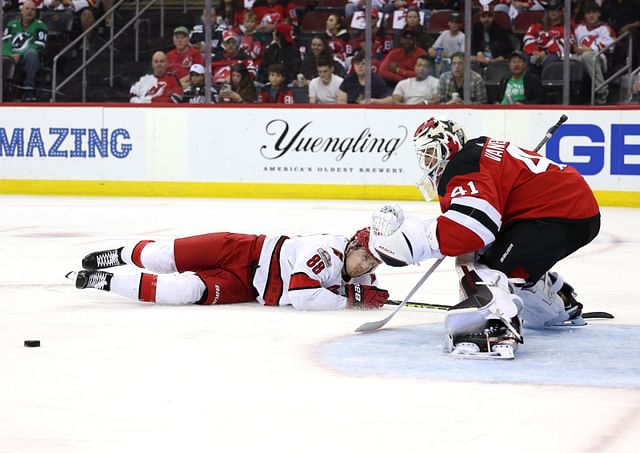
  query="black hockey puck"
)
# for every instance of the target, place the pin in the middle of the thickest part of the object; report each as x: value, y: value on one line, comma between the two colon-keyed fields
x: 32, y: 343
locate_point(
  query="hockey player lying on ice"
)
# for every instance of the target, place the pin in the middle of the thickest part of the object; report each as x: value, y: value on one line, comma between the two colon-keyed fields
x: 320, y: 272
x: 508, y: 215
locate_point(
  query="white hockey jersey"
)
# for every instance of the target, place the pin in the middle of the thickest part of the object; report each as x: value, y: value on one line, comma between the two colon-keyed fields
x: 304, y: 271
x: 596, y: 38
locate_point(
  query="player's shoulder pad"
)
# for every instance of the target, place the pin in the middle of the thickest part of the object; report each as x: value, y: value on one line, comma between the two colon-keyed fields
x: 467, y: 160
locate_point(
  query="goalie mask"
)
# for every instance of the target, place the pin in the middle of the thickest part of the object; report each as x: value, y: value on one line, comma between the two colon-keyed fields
x: 436, y: 141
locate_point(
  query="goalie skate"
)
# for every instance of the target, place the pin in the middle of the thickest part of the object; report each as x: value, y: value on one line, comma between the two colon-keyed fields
x: 497, y: 341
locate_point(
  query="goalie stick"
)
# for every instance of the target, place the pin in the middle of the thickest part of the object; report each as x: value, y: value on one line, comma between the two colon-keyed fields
x: 552, y: 130
x: 586, y: 315
x: 375, y: 325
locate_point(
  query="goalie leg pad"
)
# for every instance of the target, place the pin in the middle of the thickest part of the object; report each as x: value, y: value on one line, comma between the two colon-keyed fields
x: 544, y: 307
x: 487, y: 319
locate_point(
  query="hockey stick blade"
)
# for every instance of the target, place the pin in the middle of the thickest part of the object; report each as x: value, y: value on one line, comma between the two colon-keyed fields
x: 597, y: 315
x: 375, y: 325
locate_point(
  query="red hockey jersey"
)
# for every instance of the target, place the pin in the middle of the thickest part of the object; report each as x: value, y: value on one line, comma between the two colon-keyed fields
x: 538, y: 38
x: 282, y: 95
x: 490, y: 183
x: 180, y: 62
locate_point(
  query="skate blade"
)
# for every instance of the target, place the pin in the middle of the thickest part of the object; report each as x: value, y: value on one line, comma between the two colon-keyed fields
x: 71, y: 275
x: 504, y: 353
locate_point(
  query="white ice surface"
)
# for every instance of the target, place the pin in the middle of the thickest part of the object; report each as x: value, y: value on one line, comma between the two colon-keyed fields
x: 116, y: 376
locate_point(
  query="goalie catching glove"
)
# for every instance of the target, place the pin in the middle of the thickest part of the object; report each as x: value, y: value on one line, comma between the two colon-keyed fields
x: 365, y: 296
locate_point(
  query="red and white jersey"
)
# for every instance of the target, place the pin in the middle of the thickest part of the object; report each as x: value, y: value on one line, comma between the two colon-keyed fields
x: 597, y: 38
x: 538, y: 38
x: 152, y: 89
x: 304, y: 271
x: 180, y: 62
x: 490, y: 183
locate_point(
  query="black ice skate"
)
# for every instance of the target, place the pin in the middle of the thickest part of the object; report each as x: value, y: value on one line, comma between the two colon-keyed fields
x: 91, y: 279
x: 496, y: 341
x: 103, y: 259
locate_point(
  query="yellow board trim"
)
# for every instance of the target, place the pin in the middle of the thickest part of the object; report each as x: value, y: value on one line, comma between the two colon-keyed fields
x: 247, y: 190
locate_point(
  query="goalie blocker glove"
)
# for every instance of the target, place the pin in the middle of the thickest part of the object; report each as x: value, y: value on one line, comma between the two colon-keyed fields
x: 365, y: 296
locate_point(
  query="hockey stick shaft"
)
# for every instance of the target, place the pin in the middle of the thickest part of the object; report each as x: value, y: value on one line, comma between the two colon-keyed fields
x: 419, y: 305
x: 586, y: 315
x: 375, y: 325
x: 552, y: 130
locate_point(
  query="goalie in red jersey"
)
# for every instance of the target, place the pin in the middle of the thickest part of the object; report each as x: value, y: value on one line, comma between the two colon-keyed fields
x: 508, y: 215
x: 317, y: 272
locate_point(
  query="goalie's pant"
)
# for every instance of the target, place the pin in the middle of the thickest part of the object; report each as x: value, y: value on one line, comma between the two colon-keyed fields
x: 215, y: 268
x: 529, y: 248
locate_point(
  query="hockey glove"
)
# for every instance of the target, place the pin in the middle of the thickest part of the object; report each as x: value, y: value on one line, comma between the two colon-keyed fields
x: 365, y: 297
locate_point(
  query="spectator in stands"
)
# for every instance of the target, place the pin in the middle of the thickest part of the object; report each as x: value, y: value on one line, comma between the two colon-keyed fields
x: 635, y: 89
x: 182, y: 56
x: 522, y: 86
x: 197, y: 34
x: 231, y: 13
x: 241, y: 89
x: 230, y: 53
x: 449, y: 42
x: 324, y: 88
x: 437, y: 5
x: 272, y: 12
x: 352, y: 6
x: 451, y: 86
x: 544, y: 41
x: 489, y: 41
x: 23, y: 41
x: 276, y: 92
x: 591, y: 36
x: 282, y: 50
x: 382, y: 42
x: 514, y: 7
x: 577, y: 10
x: 83, y: 10
x: 399, y: 63
x: 159, y: 87
x: 318, y: 50
x: 8, y: 5
x: 352, y: 88
x: 195, y: 91
x: 252, y: 42
x: 421, y: 89
x: 106, y: 5
x: 337, y: 33
x: 624, y: 16
x: 423, y: 39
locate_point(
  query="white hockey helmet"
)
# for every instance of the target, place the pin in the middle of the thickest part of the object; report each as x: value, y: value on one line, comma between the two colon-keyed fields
x: 436, y: 141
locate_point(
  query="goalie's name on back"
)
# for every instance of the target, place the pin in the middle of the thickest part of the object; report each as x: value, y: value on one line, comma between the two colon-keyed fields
x: 65, y: 142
